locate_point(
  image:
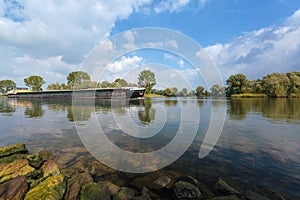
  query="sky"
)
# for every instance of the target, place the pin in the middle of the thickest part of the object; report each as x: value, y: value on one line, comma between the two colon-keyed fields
x: 52, y: 38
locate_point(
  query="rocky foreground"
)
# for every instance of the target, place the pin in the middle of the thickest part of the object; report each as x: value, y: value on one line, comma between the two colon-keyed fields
x: 46, y: 176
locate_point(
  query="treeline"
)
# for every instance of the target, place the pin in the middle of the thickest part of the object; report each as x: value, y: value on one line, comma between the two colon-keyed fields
x: 238, y: 85
x: 272, y: 85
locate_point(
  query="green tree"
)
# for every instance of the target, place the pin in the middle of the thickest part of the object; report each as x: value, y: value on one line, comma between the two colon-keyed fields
x: 184, y: 92
x: 77, y: 77
x: 237, y: 84
x: 294, y: 82
x: 276, y: 84
x: 105, y: 84
x: 121, y: 82
x: 7, y: 85
x: 217, y: 91
x: 34, y: 82
x: 174, y: 91
x: 199, y: 91
x: 168, y: 92
x: 147, y: 80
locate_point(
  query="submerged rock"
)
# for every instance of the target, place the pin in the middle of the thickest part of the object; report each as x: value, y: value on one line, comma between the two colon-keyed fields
x: 96, y: 168
x: 231, y: 197
x: 125, y: 194
x: 223, y: 187
x: 46, y: 155
x: 75, y: 183
x: 14, y: 169
x: 53, y: 187
x: 162, y: 182
x: 13, y: 149
x: 185, y: 190
x: 254, y: 196
x: 14, y: 188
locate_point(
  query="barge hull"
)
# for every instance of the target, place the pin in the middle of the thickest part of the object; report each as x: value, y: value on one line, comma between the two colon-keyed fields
x: 103, y: 93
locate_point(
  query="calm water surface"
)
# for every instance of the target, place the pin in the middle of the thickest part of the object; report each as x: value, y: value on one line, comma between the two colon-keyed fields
x: 259, y: 147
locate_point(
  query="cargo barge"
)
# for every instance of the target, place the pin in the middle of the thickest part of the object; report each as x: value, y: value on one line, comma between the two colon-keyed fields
x: 99, y: 93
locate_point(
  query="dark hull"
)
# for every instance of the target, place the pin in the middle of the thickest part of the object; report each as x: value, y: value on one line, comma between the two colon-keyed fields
x: 103, y: 93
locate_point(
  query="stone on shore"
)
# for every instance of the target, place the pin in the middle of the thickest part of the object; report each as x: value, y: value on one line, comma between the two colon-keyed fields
x: 231, y: 197
x: 14, y: 169
x: 185, y: 190
x: 13, y: 149
x: 14, y: 188
x: 255, y: 196
x: 34, y: 160
x: 75, y: 183
x: 53, y: 187
x: 92, y: 191
x: 125, y: 193
x: 50, y: 168
x: 224, y: 188
x: 46, y: 155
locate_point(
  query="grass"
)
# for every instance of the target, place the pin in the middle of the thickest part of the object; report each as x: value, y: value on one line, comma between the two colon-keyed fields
x: 249, y: 95
x: 154, y: 95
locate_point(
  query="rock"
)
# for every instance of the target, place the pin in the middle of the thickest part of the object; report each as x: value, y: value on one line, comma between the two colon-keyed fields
x: 11, y: 158
x: 65, y: 158
x: 96, y: 168
x: 185, y: 190
x: 231, y: 197
x: 13, y: 149
x: 14, y: 188
x: 92, y: 191
x: 46, y: 155
x: 110, y: 187
x: 53, y: 187
x: 14, y: 169
x: 125, y: 194
x: 75, y: 183
x: 254, y: 196
x: 205, y: 191
x: 50, y: 168
x: 162, y: 182
x: 34, y: 160
x: 225, y: 188
x: 76, y: 150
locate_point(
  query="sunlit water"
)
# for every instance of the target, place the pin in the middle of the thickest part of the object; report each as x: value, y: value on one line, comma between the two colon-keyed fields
x: 258, y: 148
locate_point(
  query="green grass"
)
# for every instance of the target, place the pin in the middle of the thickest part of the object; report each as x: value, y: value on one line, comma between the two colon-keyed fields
x: 249, y: 95
x: 154, y: 95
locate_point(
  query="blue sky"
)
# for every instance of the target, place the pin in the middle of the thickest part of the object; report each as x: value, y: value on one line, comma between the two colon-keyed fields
x: 51, y: 38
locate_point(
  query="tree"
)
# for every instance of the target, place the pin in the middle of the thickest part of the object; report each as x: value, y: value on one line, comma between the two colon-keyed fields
x: 174, y: 91
x: 105, y: 84
x: 217, y: 91
x: 276, y: 84
x: 147, y: 80
x: 34, y: 82
x: 191, y: 93
x: 121, y: 82
x: 168, y: 92
x: 237, y: 84
x: 77, y: 77
x: 7, y: 85
x: 183, y: 92
x: 294, y: 82
x: 199, y: 91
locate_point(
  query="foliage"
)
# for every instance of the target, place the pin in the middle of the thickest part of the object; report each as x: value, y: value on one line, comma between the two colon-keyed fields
x: 121, y: 82
x: 199, y: 91
x: 168, y: 92
x: 57, y: 86
x: 276, y: 84
x: 218, y: 91
x: 294, y: 82
x: 249, y: 95
x: 147, y: 80
x: 7, y: 85
x: 237, y: 84
x: 34, y: 82
x: 77, y: 77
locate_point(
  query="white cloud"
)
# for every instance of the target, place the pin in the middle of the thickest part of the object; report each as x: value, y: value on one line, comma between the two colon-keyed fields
x: 260, y: 52
x: 180, y: 63
x: 49, y: 29
x: 171, y: 5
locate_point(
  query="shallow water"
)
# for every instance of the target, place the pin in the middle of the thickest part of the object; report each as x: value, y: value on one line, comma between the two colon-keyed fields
x: 258, y: 147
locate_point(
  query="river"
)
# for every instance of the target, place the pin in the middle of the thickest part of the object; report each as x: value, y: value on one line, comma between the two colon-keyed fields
x: 258, y: 148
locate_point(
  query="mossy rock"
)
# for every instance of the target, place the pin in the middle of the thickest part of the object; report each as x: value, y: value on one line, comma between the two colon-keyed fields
x: 12, y: 158
x: 13, y: 149
x: 53, y: 187
x: 16, y: 168
x: 92, y: 191
x: 34, y: 160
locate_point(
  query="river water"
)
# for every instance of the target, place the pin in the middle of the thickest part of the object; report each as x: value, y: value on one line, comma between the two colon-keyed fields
x: 258, y: 147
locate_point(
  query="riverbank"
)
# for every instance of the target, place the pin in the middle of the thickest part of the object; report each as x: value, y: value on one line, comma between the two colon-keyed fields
x: 154, y: 96
x: 70, y: 176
